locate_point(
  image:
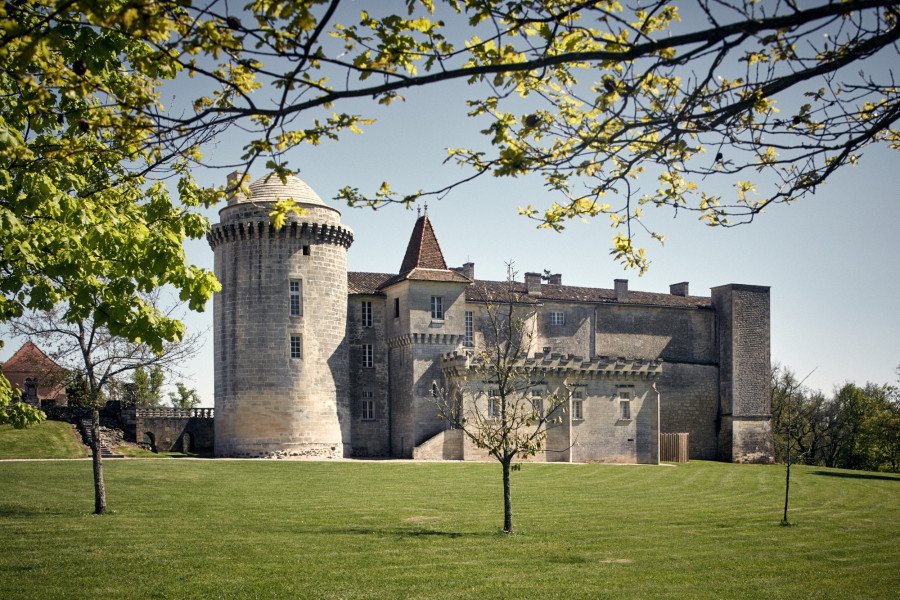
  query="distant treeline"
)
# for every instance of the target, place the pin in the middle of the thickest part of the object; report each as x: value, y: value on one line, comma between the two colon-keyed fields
x: 853, y: 428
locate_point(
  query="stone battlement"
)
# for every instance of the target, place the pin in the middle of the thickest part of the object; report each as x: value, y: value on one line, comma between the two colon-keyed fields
x: 231, y: 232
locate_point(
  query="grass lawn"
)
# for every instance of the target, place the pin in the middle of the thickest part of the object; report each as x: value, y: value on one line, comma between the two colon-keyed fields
x: 279, y: 529
x: 50, y: 439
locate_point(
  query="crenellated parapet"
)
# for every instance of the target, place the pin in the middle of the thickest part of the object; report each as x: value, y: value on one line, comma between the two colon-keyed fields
x: 431, y: 339
x: 222, y: 233
x: 600, y: 367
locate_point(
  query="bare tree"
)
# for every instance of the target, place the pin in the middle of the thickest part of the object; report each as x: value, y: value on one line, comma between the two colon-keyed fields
x: 504, y: 405
x: 86, y: 346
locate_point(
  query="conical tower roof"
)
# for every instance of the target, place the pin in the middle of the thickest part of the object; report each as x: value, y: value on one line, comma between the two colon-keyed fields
x: 424, y: 260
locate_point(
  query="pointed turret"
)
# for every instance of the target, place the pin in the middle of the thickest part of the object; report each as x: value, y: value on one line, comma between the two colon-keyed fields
x: 424, y: 260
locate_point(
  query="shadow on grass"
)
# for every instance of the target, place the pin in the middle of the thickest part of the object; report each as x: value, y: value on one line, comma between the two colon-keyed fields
x: 19, y: 510
x: 412, y: 533
x: 858, y: 475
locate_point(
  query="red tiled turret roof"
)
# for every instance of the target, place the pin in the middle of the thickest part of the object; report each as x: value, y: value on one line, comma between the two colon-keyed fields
x: 424, y: 260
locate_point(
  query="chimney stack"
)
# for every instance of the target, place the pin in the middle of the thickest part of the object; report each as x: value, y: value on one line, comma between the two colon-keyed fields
x: 555, y: 279
x: 621, y: 286
x: 468, y: 270
x: 533, y: 284
x: 679, y: 289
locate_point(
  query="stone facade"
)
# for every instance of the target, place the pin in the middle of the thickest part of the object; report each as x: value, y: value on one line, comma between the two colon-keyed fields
x: 374, y: 344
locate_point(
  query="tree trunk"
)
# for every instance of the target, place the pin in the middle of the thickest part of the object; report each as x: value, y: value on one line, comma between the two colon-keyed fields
x: 787, y: 488
x: 99, y: 486
x: 507, y: 499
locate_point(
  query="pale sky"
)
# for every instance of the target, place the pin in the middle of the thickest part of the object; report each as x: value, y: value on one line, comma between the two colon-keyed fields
x: 832, y: 260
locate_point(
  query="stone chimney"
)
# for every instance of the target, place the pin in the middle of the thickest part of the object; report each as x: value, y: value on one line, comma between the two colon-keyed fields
x: 621, y: 286
x: 533, y: 284
x: 468, y: 269
x: 555, y: 279
x: 679, y: 289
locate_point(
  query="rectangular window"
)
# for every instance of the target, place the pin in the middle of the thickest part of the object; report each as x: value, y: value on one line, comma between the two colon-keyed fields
x: 469, y: 339
x: 296, y: 346
x: 396, y: 308
x: 493, y: 406
x: 437, y: 308
x: 296, y: 298
x: 368, y: 406
x: 366, y: 313
x: 367, y: 356
x: 305, y: 250
x: 557, y: 317
x: 577, y: 410
x: 538, y: 405
x: 625, y: 404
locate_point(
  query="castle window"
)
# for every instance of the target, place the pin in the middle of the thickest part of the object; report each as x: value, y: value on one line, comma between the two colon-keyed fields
x: 367, y: 356
x: 305, y: 250
x: 493, y: 407
x: 296, y: 346
x: 537, y: 404
x: 366, y: 313
x: 296, y: 298
x: 437, y: 308
x: 557, y: 317
x: 368, y: 406
x: 396, y: 308
x: 577, y: 410
x: 625, y: 405
x: 469, y: 338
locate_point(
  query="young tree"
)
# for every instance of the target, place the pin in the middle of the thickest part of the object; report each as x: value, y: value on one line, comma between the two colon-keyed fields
x: 99, y: 357
x: 594, y: 97
x: 788, y: 399
x: 147, y: 390
x: 184, y: 397
x: 502, y: 405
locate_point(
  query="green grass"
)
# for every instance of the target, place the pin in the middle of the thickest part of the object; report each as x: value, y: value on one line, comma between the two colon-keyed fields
x: 279, y: 529
x: 50, y: 439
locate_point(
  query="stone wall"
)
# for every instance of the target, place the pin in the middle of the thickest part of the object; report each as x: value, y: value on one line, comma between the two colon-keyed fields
x: 170, y: 429
x: 689, y: 403
x: 369, y: 437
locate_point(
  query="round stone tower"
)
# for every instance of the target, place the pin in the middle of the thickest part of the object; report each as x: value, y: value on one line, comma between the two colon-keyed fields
x: 281, y: 365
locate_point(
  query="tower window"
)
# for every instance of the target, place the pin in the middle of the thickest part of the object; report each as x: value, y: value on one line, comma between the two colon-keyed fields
x: 557, y: 317
x: 469, y: 339
x: 368, y: 406
x: 367, y: 356
x: 366, y: 313
x: 296, y: 346
x: 305, y: 250
x: 577, y: 410
x: 437, y: 308
x: 396, y: 308
x: 296, y: 298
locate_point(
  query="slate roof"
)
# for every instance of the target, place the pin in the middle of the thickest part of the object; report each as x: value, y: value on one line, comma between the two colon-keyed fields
x: 372, y: 283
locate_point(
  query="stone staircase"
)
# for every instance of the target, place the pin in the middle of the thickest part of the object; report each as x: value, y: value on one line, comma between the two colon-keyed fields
x: 87, y: 434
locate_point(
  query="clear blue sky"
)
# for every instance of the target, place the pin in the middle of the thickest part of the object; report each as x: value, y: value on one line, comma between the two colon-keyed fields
x: 832, y: 259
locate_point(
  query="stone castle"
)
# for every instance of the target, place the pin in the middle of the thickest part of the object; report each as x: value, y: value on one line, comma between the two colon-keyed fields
x: 312, y: 360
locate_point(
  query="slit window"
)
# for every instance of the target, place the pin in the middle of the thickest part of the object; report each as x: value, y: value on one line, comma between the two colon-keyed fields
x: 396, y: 308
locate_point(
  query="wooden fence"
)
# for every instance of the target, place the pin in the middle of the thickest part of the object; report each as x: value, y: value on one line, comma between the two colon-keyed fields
x: 673, y: 447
